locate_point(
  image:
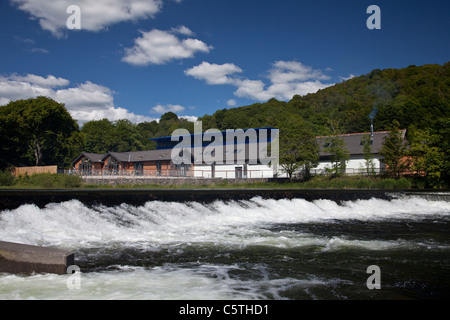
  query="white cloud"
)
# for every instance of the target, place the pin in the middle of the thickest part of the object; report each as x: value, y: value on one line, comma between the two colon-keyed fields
x: 351, y: 76
x: 85, y: 102
x: 182, y: 30
x: 214, y: 73
x: 50, y: 81
x: 287, y: 78
x: 293, y: 71
x: 175, y: 108
x: 96, y: 15
x: 111, y: 113
x: 253, y: 89
x: 11, y: 89
x: 159, y: 47
x: 231, y: 102
x: 86, y: 96
x: 189, y: 118
x: 160, y: 109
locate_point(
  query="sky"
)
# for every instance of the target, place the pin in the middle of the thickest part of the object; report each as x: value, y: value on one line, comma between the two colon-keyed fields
x: 137, y: 59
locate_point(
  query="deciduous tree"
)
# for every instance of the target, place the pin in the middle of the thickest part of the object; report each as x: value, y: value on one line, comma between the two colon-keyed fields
x: 298, y: 147
x: 393, y: 151
x: 36, y: 131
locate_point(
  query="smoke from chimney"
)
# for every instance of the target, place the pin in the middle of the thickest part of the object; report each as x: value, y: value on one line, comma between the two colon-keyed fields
x: 372, y: 116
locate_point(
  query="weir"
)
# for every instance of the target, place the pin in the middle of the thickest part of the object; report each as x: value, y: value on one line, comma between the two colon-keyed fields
x: 19, y: 258
x: 12, y: 199
x: 238, y: 250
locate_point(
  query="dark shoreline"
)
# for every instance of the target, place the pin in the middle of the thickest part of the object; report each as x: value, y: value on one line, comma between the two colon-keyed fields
x: 12, y: 199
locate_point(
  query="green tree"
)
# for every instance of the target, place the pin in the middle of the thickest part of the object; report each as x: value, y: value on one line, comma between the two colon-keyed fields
x: 366, y: 141
x: 38, y: 131
x: 99, y: 136
x: 147, y: 131
x: 11, y: 149
x: 393, y: 151
x: 127, y: 135
x: 339, y: 155
x: 426, y: 158
x: 298, y: 147
x: 169, y: 116
x: 73, y: 148
x: 441, y: 130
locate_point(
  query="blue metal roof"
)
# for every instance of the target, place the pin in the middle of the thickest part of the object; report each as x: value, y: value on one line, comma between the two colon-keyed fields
x: 171, y: 143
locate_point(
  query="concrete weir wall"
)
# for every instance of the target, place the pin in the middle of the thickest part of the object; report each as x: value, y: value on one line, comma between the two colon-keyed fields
x: 12, y: 199
x: 19, y: 258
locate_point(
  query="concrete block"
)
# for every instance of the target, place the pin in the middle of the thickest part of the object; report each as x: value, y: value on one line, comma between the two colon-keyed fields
x: 19, y: 258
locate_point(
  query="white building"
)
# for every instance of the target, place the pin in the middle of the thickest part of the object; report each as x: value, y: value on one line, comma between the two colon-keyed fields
x: 353, y: 143
x: 245, y: 163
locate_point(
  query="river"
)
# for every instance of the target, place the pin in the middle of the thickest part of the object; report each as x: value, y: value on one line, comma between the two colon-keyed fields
x: 254, y: 249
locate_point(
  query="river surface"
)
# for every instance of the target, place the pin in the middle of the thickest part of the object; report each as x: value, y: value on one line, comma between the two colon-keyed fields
x: 240, y: 250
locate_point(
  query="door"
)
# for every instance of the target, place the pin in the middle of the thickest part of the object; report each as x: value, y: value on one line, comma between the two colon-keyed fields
x: 238, y: 172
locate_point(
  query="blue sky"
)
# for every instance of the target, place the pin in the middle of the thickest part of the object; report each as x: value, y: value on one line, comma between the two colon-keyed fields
x: 137, y: 59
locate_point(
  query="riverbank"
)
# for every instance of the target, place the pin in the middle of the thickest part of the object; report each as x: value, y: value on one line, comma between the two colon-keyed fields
x: 49, y: 181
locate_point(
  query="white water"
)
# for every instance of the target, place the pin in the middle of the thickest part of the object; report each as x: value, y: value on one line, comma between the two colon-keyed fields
x: 177, y: 226
x: 72, y: 225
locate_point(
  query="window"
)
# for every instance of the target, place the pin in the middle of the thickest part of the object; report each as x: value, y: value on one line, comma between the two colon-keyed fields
x: 85, y: 167
x: 138, y: 169
x: 113, y: 166
x: 182, y: 169
x: 158, y: 168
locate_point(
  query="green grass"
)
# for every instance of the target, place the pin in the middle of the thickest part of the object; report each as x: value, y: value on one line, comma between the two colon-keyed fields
x: 315, y: 183
x: 57, y: 181
x: 43, y: 181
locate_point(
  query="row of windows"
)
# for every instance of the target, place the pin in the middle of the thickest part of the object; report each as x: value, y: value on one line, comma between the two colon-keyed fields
x: 114, y: 167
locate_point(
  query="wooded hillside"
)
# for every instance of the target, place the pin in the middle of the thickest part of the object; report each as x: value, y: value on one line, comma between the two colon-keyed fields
x: 418, y: 96
x: 41, y: 131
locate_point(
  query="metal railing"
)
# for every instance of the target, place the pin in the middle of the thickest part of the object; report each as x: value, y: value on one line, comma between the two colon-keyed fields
x: 170, y: 173
x: 221, y: 174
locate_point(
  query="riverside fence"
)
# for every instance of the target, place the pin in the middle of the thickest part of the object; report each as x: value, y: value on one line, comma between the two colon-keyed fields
x: 232, y: 173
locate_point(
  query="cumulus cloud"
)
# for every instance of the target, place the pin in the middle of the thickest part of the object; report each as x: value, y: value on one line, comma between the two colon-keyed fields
x: 214, y: 73
x: 85, y: 102
x: 160, y: 109
x: 293, y: 71
x: 182, y: 30
x: 351, y: 76
x: 50, y: 81
x: 11, y: 89
x: 111, y: 113
x: 159, y: 47
x: 96, y: 14
x: 287, y: 78
x: 189, y: 118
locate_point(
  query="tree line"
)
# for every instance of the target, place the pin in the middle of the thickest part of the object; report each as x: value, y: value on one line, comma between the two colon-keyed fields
x: 41, y: 131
